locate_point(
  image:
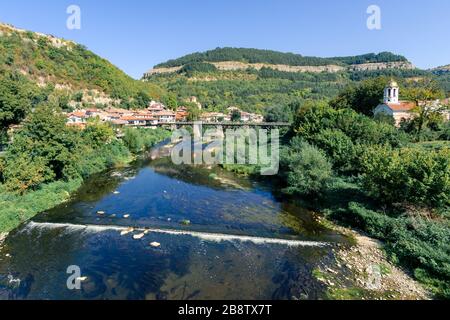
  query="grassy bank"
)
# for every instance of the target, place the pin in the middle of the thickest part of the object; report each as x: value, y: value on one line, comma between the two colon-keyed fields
x: 17, y: 207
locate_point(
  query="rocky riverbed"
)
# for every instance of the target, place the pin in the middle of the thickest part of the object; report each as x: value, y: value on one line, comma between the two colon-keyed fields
x: 364, y: 272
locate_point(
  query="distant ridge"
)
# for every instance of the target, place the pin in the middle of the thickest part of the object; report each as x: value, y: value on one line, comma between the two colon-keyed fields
x: 229, y: 59
x: 248, y: 55
x: 441, y: 70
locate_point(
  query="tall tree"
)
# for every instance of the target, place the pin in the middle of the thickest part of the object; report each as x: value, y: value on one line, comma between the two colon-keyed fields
x: 424, y: 95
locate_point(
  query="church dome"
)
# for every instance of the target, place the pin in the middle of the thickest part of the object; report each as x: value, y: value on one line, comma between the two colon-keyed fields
x: 392, y: 84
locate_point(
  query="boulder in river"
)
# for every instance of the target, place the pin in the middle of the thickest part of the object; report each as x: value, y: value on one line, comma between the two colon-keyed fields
x: 155, y: 244
x: 127, y: 231
x: 126, y: 216
x: 138, y: 236
x: 101, y: 213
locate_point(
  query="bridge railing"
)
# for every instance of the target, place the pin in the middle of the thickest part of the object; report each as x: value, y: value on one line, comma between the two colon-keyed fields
x: 227, y: 124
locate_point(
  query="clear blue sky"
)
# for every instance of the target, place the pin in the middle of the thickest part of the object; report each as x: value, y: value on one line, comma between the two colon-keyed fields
x: 137, y: 34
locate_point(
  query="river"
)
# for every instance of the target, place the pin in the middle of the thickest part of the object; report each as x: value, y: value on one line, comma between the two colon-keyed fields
x: 199, y: 233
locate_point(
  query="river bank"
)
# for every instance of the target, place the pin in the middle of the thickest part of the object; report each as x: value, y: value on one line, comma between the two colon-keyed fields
x: 366, y: 273
x: 16, y: 209
x: 366, y: 261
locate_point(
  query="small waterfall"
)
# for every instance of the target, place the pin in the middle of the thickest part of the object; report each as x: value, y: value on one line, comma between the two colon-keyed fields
x: 205, y: 236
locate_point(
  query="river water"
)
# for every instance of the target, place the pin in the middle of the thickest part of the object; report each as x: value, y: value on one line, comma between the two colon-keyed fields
x: 202, y: 233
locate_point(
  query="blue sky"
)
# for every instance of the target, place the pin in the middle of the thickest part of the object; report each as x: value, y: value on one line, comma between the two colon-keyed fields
x: 137, y: 34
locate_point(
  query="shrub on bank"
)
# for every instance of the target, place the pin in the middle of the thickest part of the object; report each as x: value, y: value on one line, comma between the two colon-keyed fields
x: 408, y: 175
x: 137, y: 140
x: 308, y: 169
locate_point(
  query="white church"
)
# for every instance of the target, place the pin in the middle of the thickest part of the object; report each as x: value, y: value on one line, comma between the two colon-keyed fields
x: 392, y: 106
x: 402, y: 110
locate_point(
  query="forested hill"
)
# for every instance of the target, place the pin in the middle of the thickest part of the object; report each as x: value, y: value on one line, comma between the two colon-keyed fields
x: 273, y: 57
x: 47, y: 60
x: 254, y: 79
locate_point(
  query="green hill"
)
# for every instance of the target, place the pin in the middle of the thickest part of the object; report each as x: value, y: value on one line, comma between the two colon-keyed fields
x: 255, y: 79
x: 36, y: 68
x: 46, y: 60
x: 274, y: 57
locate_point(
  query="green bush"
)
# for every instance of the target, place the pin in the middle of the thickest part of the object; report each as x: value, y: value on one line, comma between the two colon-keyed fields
x: 313, y: 119
x: 309, y: 170
x: 340, y: 149
x: 137, y: 139
x: 409, y: 175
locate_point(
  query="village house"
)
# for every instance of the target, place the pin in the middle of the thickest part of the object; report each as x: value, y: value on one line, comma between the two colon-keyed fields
x: 403, y: 110
x: 134, y: 121
x: 181, y: 114
x: 165, y: 116
x: 156, y: 113
x: 119, y: 122
x: 246, y: 116
x: 76, y: 117
x: 119, y: 111
x: 156, y: 107
x: 214, y: 117
x: 93, y: 112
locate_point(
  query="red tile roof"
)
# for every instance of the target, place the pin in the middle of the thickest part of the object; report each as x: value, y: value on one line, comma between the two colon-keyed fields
x: 79, y: 114
x: 131, y: 118
x: 402, y: 106
x: 164, y: 113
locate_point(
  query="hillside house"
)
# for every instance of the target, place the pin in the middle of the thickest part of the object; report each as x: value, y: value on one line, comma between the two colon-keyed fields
x: 214, y: 117
x: 75, y: 117
x: 181, y: 114
x: 165, y: 116
x: 156, y: 107
x: 134, y: 121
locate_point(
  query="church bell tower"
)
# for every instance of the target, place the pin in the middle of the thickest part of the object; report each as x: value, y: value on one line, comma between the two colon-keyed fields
x: 391, y: 92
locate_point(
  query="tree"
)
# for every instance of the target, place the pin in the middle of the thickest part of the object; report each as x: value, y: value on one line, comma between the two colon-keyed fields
x: 363, y: 98
x: 424, y: 94
x: 309, y: 170
x: 98, y: 133
x: 277, y: 114
x: 26, y: 173
x: 193, y: 112
x: 142, y: 99
x: 236, y: 116
x: 170, y: 100
x: 78, y: 97
x: 133, y: 140
x: 46, y: 139
x: 408, y: 175
x: 16, y: 99
x: 340, y: 149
